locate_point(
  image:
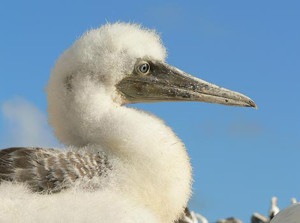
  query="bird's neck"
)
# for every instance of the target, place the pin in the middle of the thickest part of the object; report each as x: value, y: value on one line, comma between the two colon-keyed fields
x: 154, y: 163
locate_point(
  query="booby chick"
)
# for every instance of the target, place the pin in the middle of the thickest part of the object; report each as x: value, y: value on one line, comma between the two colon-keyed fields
x: 115, y: 153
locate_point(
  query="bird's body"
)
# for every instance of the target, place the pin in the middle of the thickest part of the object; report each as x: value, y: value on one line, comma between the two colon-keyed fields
x: 74, y: 205
x: 274, y: 209
x: 116, y: 149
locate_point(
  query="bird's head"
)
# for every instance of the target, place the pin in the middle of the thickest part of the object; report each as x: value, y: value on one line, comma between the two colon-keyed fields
x: 127, y: 62
x: 114, y: 65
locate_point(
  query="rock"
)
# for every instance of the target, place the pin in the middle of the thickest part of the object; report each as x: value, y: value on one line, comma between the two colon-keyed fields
x: 230, y: 220
x: 258, y: 218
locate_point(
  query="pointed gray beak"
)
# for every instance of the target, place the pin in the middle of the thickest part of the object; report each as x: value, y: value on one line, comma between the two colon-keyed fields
x: 167, y: 83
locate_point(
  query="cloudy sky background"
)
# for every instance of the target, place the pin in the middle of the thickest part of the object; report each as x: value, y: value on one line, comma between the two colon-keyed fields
x: 241, y: 156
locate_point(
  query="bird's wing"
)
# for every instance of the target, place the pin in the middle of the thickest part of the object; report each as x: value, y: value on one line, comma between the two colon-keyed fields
x: 50, y: 170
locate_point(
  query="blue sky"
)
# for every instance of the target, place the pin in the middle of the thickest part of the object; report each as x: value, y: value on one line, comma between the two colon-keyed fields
x: 241, y: 156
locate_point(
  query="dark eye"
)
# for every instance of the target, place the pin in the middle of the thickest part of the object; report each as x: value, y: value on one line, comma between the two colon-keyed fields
x: 143, y: 68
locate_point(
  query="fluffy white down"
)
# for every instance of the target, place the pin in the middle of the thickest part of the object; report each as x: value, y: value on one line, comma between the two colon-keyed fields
x: 20, y: 205
x: 85, y: 110
x: 98, y: 60
x: 151, y: 167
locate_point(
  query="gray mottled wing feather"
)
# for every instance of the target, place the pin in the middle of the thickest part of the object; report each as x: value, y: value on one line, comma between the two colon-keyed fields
x: 50, y: 170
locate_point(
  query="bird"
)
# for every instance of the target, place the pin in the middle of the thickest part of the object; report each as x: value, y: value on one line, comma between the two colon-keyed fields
x: 290, y: 214
x: 115, y: 154
x: 191, y: 217
x: 293, y: 200
x: 200, y: 217
x: 274, y: 209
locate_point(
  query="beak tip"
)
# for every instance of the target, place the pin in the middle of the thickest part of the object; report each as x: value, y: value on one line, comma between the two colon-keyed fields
x: 253, y: 104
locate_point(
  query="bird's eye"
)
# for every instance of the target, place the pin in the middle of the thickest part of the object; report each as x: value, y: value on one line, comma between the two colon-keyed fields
x: 143, y: 68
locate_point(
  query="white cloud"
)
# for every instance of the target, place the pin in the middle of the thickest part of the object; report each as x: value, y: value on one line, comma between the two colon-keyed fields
x: 26, y: 125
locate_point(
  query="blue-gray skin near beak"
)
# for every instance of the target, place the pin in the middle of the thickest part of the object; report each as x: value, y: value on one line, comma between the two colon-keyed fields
x: 155, y: 81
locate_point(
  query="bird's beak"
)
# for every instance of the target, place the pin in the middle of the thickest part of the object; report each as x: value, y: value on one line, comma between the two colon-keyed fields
x: 167, y: 83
